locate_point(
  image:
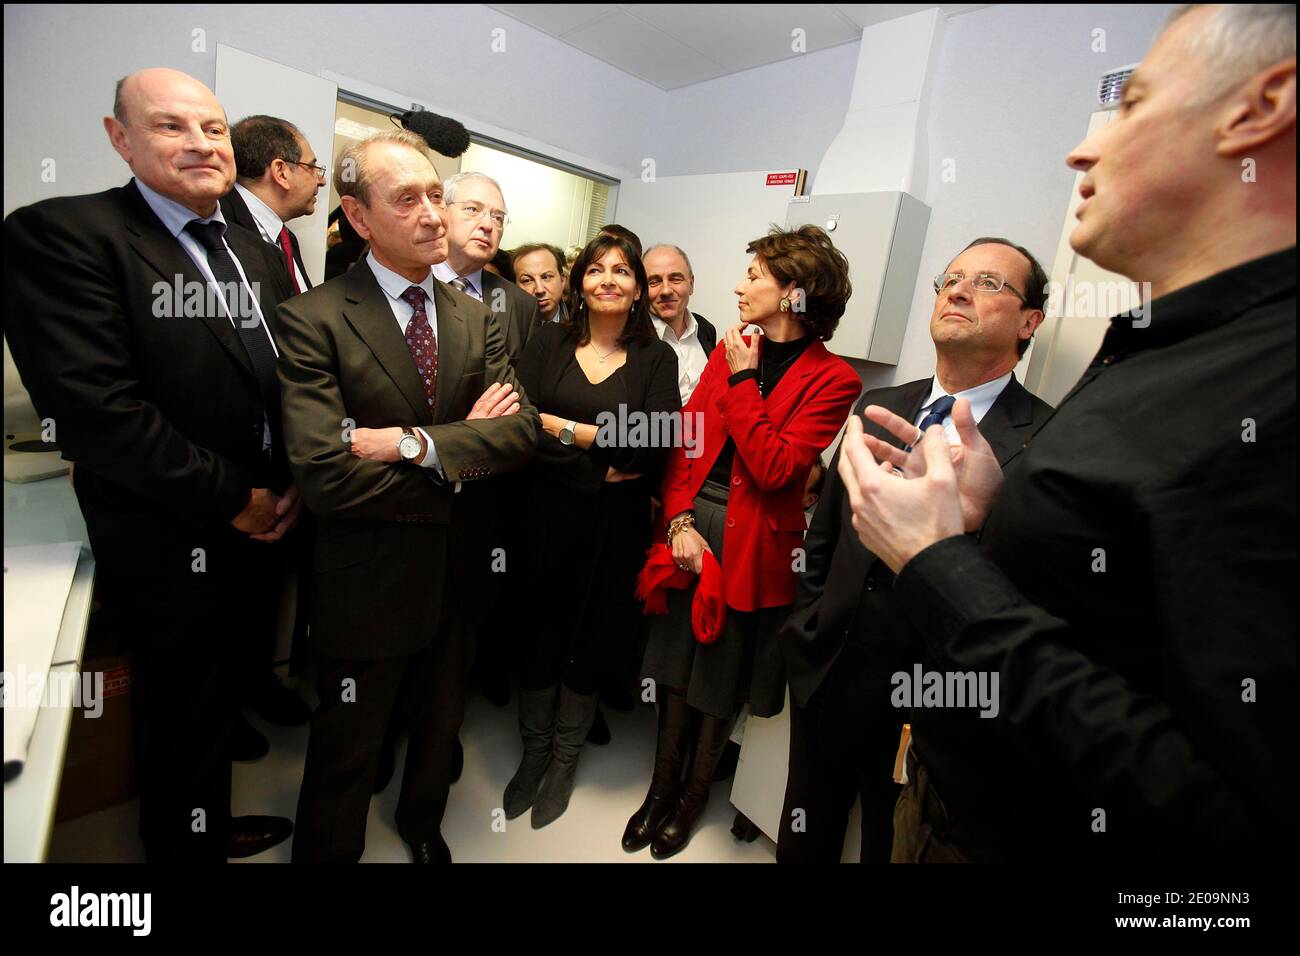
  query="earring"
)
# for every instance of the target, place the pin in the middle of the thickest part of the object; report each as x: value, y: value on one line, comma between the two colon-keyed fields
x: 785, y: 305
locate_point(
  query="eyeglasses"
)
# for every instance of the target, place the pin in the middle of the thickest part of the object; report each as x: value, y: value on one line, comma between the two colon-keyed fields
x: 980, y: 282
x: 314, y: 167
x: 474, y: 212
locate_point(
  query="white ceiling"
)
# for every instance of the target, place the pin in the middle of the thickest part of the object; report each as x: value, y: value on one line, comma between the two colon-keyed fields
x: 675, y: 44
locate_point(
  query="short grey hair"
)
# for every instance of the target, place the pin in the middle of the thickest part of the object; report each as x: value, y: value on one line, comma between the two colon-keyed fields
x: 452, y: 184
x: 1237, y: 41
x: 352, y: 172
x: 677, y: 249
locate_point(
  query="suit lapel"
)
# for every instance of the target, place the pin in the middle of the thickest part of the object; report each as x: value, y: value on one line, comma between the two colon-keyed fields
x: 453, y: 351
x: 1004, y: 423
x: 163, y: 252
x: 791, y: 385
x: 368, y: 311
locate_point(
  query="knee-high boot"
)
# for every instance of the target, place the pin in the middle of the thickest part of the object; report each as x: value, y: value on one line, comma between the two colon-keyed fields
x: 709, y: 744
x: 675, y: 725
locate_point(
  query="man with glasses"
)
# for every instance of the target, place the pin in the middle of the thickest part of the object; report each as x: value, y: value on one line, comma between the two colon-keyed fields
x: 476, y: 219
x: 278, y: 179
x: 475, y: 225
x: 143, y: 326
x: 847, y: 636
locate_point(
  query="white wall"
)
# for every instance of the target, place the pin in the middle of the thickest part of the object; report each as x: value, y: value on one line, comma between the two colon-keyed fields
x: 61, y: 62
x: 1013, y: 90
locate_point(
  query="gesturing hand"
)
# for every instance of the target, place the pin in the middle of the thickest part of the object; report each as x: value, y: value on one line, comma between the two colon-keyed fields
x: 979, y: 476
x: 895, y: 517
x: 739, y: 355
x: 497, y: 400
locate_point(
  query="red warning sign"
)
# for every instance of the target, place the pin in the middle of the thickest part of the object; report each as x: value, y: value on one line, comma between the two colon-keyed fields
x: 782, y: 179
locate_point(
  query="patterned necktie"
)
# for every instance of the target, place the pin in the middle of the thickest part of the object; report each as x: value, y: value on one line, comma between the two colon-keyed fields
x: 253, y: 334
x: 940, y: 410
x: 286, y: 246
x: 463, y: 285
x: 422, y: 342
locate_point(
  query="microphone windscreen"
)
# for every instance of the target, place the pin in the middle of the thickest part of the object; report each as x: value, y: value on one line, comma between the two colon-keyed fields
x: 445, y: 136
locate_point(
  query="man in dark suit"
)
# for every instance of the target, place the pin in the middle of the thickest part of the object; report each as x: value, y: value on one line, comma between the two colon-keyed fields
x: 386, y: 418
x: 136, y: 318
x: 1134, y: 580
x: 476, y: 220
x: 278, y: 180
x: 846, y: 636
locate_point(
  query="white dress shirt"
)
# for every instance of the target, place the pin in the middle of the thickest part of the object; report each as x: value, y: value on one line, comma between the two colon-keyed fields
x: 394, y: 286
x: 981, y: 399
x: 473, y: 280
x: 269, y: 225
x: 691, y: 357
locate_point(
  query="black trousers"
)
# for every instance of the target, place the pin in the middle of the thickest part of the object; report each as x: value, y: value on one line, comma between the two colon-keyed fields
x: 358, y: 701
x: 189, y: 601
x: 842, y: 746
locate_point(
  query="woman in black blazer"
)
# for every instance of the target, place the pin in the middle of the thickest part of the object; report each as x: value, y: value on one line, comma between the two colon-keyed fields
x: 588, y: 517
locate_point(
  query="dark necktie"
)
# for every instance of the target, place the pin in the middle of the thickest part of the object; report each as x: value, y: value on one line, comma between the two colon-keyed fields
x: 253, y: 334
x: 940, y: 410
x: 422, y: 342
x: 286, y: 246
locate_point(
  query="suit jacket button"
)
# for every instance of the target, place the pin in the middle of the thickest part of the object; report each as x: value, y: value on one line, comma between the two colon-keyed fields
x: 731, y: 522
x: 736, y: 480
x: 871, y: 585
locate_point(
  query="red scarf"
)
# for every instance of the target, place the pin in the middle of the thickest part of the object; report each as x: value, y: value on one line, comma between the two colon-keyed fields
x: 708, y: 608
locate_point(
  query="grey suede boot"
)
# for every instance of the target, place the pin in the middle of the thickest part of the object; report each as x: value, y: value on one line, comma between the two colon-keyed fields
x: 573, y: 717
x: 537, y: 728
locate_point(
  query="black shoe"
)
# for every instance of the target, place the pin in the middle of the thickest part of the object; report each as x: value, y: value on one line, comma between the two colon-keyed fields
x: 457, y: 761
x: 252, y: 835
x: 599, y: 732
x: 676, y: 718
x: 676, y: 833
x: 743, y: 829
x: 246, y: 743
x: 277, y: 704
x: 430, y: 851
x: 727, y: 763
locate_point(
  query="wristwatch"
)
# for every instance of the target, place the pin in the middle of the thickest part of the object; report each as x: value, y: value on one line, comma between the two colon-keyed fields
x: 566, y: 433
x: 408, y: 446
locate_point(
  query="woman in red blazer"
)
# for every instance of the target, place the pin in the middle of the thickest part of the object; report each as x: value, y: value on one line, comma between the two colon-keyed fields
x: 769, y: 406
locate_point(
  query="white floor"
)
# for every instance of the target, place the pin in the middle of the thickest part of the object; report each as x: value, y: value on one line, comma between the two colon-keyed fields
x: 612, y: 782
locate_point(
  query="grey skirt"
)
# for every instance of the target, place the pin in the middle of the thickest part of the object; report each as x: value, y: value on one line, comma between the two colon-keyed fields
x: 743, y: 666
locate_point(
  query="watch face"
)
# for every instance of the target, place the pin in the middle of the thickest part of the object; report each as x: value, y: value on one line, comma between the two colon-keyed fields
x: 409, y: 447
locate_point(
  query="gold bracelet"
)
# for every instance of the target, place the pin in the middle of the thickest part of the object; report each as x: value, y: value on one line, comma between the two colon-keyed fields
x: 678, y: 524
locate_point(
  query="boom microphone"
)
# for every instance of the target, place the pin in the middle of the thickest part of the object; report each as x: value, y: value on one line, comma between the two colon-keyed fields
x: 445, y: 136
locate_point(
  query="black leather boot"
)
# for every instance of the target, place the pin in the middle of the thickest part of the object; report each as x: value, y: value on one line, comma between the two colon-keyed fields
x: 675, y: 725
x: 709, y: 744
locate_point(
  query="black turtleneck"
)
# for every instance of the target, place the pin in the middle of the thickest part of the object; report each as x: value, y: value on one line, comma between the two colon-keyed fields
x: 774, y: 360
